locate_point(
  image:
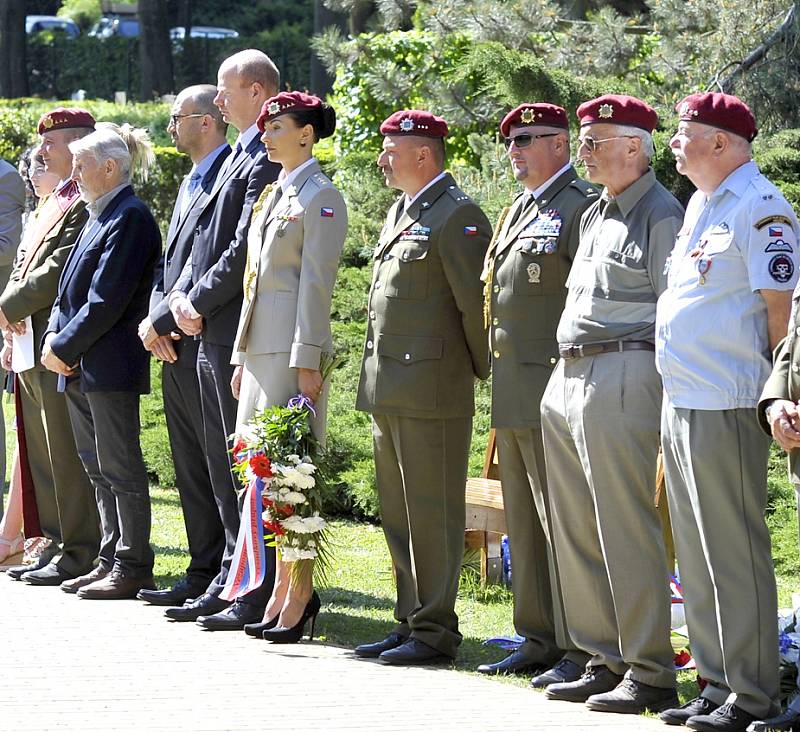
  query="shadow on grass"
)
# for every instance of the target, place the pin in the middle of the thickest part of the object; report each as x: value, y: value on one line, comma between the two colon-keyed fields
x: 164, y: 498
x: 355, y: 599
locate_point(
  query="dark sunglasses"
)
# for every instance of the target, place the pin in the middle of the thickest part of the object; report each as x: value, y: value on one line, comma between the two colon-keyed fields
x: 522, y: 141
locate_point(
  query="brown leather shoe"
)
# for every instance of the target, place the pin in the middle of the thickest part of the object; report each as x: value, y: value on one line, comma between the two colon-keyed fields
x: 116, y: 586
x: 73, y: 585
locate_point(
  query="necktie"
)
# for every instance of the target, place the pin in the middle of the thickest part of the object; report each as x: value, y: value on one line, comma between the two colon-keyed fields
x: 527, y: 200
x: 191, y: 189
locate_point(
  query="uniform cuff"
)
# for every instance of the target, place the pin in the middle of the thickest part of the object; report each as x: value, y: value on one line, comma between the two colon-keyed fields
x: 304, y: 356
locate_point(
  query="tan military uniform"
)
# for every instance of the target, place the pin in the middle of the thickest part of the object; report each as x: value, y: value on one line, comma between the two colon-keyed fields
x: 425, y: 345
x: 64, y: 496
x: 600, y: 424
x: 528, y: 268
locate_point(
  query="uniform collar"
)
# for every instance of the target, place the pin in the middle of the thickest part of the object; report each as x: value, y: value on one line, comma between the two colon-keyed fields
x: 537, y: 192
x: 287, y: 179
x: 738, y: 180
x: 409, y: 201
x: 632, y: 194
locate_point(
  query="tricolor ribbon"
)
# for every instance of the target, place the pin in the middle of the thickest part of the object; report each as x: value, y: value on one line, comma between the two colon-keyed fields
x: 249, y: 565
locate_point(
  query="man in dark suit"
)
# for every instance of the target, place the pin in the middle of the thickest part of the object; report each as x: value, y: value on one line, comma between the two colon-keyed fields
x: 92, y: 343
x: 197, y: 129
x: 206, y: 301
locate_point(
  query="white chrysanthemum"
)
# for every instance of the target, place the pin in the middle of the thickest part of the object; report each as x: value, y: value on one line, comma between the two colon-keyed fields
x: 293, y: 497
x: 306, y: 468
x: 290, y: 554
x: 300, y: 525
x: 294, y: 459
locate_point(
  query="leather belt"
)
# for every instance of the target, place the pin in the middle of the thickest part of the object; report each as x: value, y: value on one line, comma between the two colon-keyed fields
x: 568, y: 352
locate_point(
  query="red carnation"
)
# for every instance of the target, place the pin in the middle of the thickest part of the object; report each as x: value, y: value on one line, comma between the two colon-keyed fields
x: 682, y: 658
x: 284, y: 510
x: 260, y: 465
x: 238, y: 449
x: 274, y: 527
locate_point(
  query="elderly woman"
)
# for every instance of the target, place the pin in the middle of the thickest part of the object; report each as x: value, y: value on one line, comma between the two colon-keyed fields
x: 92, y: 343
x: 294, y: 244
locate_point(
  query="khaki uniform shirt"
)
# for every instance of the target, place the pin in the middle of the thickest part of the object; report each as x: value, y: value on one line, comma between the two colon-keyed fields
x: 619, y: 270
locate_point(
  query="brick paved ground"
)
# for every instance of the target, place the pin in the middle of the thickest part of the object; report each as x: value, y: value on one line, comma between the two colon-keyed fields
x: 71, y: 664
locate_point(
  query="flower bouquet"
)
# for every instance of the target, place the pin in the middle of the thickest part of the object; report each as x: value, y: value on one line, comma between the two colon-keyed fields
x: 274, y: 458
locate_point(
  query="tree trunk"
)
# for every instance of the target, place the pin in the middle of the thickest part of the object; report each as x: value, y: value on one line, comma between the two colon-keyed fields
x: 155, y: 50
x: 185, y: 16
x: 321, y: 82
x: 13, y: 67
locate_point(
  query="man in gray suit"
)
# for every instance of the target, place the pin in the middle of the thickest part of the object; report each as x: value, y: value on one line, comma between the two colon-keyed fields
x: 197, y: 129
x: 525, y: 273
x: 425, y: 346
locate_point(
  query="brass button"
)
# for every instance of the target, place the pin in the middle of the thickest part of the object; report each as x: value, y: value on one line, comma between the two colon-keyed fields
x: 497, y: 288
x: 369, y: 344
x: 387, y: 257
x: 495, y: 321
x: 405, y: 255
x: 496, y: 354
x: 407, y: 356
x: 553, y: 360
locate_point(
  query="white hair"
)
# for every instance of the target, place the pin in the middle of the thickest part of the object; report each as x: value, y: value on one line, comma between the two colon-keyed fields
x: 129, y: 147
x: 648, y: 148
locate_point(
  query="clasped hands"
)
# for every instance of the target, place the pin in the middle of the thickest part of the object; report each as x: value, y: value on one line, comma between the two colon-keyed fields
x: 160, y: 346
x: 784, y: 422
x: 52, y: 362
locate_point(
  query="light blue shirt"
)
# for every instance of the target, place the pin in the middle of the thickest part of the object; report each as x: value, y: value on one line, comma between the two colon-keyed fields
x: 712, y: 343
x: 197, y: 173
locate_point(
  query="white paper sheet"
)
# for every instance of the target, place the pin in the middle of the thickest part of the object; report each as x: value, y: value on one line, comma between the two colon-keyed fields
x: 22, y: 355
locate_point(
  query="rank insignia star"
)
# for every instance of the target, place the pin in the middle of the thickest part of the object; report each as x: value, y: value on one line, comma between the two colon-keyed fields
x: 606, y: 111
x: 407, y: 124
x: 274, y: 108
x: 527, y: 116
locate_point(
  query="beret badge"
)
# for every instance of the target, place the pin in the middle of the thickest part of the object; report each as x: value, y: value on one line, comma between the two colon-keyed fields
x: 606, y: 111
x: 407, y: 124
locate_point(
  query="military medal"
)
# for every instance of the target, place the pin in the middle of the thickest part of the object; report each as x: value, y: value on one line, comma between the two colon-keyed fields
x: 703, y: 265
x: 534, y: 273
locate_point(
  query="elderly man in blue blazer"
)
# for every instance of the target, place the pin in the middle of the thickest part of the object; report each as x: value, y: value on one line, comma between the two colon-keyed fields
x: 92, y: 343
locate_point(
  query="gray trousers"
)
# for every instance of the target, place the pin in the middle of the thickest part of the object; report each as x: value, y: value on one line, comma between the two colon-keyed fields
x: 538, y: 605
x: 65, y: 498
x: 421, y: 469
x: 600, y: 421
x: 106, y: 428
x: 715, y: 464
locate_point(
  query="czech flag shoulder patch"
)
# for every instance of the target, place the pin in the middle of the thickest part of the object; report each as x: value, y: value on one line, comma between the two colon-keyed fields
x: 470, y: 230
x: 326, y: 213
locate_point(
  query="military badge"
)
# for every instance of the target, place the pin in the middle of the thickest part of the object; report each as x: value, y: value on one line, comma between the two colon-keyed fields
x: 407, y: 124
x: 606, y: 111
x: 534, y: 273
x: 527, y: 116
x: 274, y: 108
x: 781, y: 268
x: 47, y: 122
x: 326, y: 213
x: 777, y: 219
x: 550, y: 247
x: 703, y: 266
x: 779, y: 245
x: 470, y: 230
x: 687, y: 110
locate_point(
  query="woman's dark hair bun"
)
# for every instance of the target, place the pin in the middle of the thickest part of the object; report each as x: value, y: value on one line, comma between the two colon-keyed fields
x: 328, y: 121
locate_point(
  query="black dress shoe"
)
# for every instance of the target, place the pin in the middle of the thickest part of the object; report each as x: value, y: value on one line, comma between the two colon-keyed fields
x: 413, y: 653
x: 694, y: 708
x: 255, y: 630
x: 206, y: 604
x: 563, y: 672
x: 373, y: 650
x: 595, y: 680
x: 514, y: 663
x: 49, y: 576
x: 789, y: 720
x: 234, y: 617
x: 727, y: 718
x: 16, y: 572
x: 183, y: 590
x: 634, y: 697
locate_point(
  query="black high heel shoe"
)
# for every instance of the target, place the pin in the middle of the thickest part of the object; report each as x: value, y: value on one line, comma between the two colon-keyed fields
x: 293, y: 634
x: 256, y: 629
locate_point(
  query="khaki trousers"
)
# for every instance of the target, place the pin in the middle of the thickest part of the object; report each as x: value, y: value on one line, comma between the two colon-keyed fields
x: 600, y: 421
x: 538, y: 605
x: 716, y: 469
x: 421, y: 468
x: 65, y: 497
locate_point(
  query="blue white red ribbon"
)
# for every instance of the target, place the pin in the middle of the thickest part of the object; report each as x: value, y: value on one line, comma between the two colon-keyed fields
x: 249, y: 564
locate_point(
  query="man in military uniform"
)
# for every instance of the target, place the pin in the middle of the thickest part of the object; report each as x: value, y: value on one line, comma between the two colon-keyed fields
x: 525, y: 272
x: 64, y: 495
x: 600, y: 421
x: 425, y: 345
x: 731, y: 274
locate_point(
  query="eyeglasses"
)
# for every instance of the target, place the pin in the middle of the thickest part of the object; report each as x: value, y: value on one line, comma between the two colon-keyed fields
x: 175, y: 118
x: 591, y: 144
x: 525, y: 140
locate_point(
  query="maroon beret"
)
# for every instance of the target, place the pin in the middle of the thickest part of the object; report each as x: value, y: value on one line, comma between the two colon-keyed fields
x: 64, y: 118
x: 286, y: 102
x: 414, y: 122
x: 719, y: 110
x: 535, y: 114
x: 618, y: 109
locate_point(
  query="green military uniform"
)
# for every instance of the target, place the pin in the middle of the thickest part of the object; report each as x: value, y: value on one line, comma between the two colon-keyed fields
x: 528, y: 268
x: 425, y: 345
x: 64, y: 496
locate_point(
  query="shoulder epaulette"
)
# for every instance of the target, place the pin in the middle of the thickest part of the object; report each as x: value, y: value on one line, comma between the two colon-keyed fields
x: 457, y: 194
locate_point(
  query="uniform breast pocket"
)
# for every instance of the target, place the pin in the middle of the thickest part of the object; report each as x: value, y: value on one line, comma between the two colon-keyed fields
x: 535, y: 270
x: 407, y: 270
x: 408, y: 372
